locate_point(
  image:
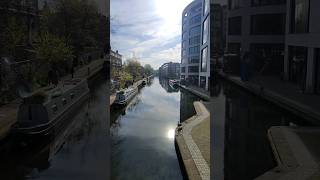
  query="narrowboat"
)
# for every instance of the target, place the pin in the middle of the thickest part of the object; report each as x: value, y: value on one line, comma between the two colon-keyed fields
x: 123, y: 97
x: 42, y: 113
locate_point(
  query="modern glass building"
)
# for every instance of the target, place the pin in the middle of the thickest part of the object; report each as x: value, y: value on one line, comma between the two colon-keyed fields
x: 258, y: 27
x: 190, y: 42
x: 205, y: 47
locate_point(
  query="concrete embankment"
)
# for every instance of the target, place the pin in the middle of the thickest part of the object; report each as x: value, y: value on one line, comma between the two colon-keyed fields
x: 197, y: 92
x: 296, y: 151
x: 193, y: 144
x: 308, y: 112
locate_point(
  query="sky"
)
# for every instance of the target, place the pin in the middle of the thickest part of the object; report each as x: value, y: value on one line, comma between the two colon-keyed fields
x: 149, y: 30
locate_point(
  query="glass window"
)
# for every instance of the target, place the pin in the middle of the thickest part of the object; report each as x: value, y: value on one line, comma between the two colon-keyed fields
x: 183, y: 69
x: 206, y: 6
x: 205, y: 31
x: 194, y: 59
x: 184, y: 44
x: 194, y: 50
x: 267, y: 2
x: 204, y: 58
x: 300, y: 16
x: 234, y: 4
x: 268, y: 24
x: 195, y: 31
x: 234, y: 26
x: 184, y: 35
x: 195, y: 9
x: 195, y: 19
x: 193, y: 69
x: 184, y: 53
x: 194, y: 40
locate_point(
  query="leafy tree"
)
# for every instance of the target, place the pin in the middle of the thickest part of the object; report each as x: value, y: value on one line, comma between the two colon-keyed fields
x: 148, y: 69
x: 133, y: 67
x: 12, y: 35
x: 125, y: 78
x: 51, y: 51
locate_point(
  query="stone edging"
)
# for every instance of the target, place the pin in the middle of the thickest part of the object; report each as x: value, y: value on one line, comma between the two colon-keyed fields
x: 294, y: 161
x: 185, y: 131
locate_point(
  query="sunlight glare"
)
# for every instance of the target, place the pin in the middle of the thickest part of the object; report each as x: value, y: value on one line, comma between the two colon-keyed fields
x: 170, y: 134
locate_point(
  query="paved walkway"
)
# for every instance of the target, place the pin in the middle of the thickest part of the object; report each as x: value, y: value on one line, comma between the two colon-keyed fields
x: 284, y: 94
x: 297, y: 153
x: 193, y: 140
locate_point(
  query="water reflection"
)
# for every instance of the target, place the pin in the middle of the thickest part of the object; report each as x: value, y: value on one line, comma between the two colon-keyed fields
x: 241, y: 149
x: 143, y: 136
x: 70, y: 153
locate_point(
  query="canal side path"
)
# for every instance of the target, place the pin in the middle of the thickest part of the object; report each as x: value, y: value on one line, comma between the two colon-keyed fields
x: 8, y: 112
x: 296, y: 150
x: 193, y: 141
x: 282, y: 93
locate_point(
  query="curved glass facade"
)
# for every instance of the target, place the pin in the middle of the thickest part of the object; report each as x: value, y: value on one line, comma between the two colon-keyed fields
x: 190, y: 43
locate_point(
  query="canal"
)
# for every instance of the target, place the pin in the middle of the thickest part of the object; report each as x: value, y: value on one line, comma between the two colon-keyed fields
x: 80, y: 151
x: 143, y: 133
x: 240, y: 146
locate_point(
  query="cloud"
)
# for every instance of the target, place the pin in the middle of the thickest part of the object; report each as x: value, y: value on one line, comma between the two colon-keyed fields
x: 148, y: 30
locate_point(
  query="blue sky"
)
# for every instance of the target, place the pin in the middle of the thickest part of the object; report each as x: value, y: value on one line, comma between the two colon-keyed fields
x: 149, y: 30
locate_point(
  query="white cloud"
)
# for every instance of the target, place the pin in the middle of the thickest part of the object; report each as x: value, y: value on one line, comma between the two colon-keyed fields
x: 148, y: 30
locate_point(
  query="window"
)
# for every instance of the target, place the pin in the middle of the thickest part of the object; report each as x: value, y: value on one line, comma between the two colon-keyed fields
x: 194, y: 50
x: 183, y: 69
x: 195, y: 9
x: 205, y: 31
x: 234, y: 4
x: 193, y: 69
x: 234, y: 26
x: 194, y: 40
x: 206, y: 6
x: 268, y: 24
x: 184, y: 53
x: 184, y: 44
x: 195, y: 31
x: 267, y: 2
x: 300, y: 16
x: 234, y: 48
x: 184, y: 35
x: 195, y: 19
x: 204, y: 58
x: 194, y: 59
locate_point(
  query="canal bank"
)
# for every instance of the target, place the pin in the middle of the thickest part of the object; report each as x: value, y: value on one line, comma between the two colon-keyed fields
x: 193, y: 143
x: 8, y: 113
x: 143, y: 133
x: 72, y: 152
x: 283, y: 94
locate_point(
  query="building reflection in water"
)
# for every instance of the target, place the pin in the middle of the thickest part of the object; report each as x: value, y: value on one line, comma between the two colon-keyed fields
x: 240, y: 146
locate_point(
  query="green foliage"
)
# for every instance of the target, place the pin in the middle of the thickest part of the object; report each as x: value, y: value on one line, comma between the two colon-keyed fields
x: 12, y: 35
x: 79, y: 22
x: 125, y: 77
x: 51, y: 49
x: 148, y: 70
x: 133, y: 67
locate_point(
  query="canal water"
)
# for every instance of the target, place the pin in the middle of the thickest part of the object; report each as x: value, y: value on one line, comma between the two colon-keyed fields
x: 80, y: 151
x: 240, y: 146
x: 143, y: 133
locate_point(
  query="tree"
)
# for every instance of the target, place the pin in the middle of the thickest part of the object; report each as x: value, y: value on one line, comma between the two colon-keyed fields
x: 148, y: 70
x: 51, y: 51
x: 133, y: 67
x: 13, y: 35
x: 125, y: 78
